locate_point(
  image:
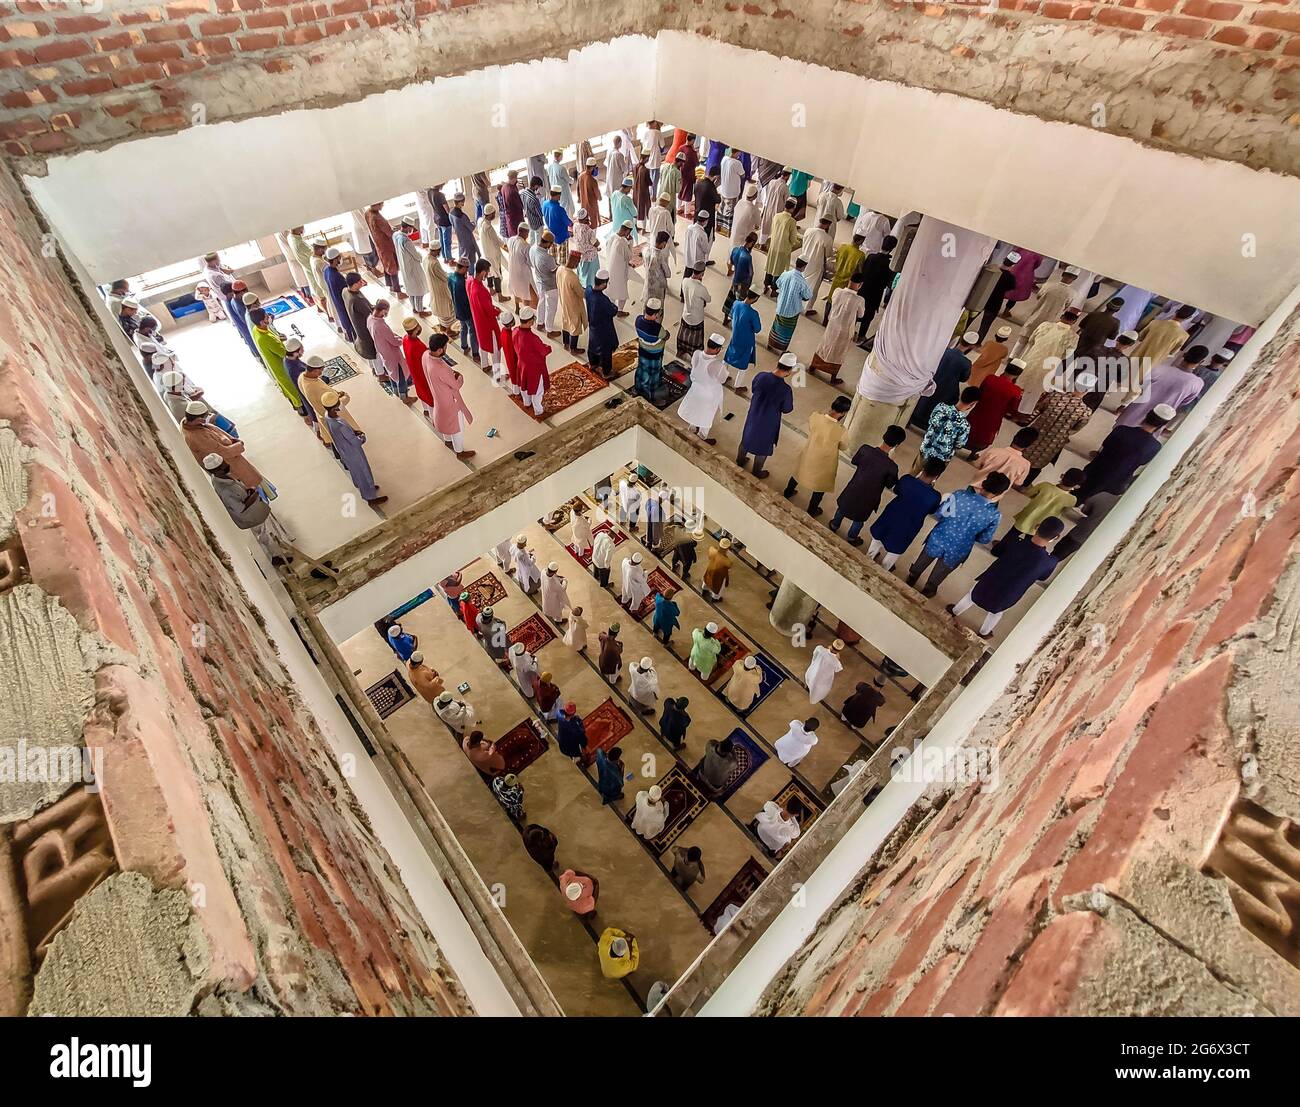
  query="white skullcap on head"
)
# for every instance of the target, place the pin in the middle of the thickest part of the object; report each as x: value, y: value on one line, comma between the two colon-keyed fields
x: 971, y: 337
x: 212, y: 462
x: 1018, y: 362
x: 527, y: 315
x: 161, y: 362
x: 573, y: 891
x: 333, y: 252
x: 489, y: 209
x: 838, y: 644
x: 521, y: 540
x: 701, y: 217
x: 581, y: 213
x: 602, y: 274
x: 655, y: 793
x: 751, y: 189
x: 410, y: 221
x: 315, y: 362
x: 627, y: 182
x: 248, y: 298
x: 458, y: 196
x: 1164, y: 411
x: 1226, y: 354
x: 712, y: 628
x: 636, y: 559
x: 1013, y: 257
x: 506, y: 318
x: 715, y: 339
x: 1073, y: 270
x: 196, y: 407
x: 1004, y: 331
x: 127, y: 301
x: 647, y: 663
x: 591, y: 161
x: 1085, y: 382
x: 629, y: 225
x: 293, y: 344
x: 552, y: 566
x: 444, y: 698
x: 698, y: 532
x: 517, y: 648
x: 654, y: 304
x: 330, y: 399
x: 1129, y: 336
x: 147, y: 347
x: 750, y: 662
x: 417, y: 657
x: 172, y: 378
x: 618, y: 946
x: 789, y: 360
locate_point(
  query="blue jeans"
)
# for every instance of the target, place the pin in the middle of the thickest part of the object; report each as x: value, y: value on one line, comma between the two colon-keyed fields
x: 444, y: 233
x: 855, y: 528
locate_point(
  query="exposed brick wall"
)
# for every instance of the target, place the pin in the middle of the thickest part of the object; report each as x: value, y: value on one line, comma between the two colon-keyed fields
x: 1208, y: 76
x: 217, y: 785
x: 1150, y: 781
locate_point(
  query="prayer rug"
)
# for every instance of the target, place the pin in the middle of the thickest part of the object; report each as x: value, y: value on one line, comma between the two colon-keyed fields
x: 748, y: 758
x: 521, y: 745
x: 685, y: 802
x: 534, y: 632
x: 659, y: 582
x: 676, y: 382
x: 773, y: 678
x: 411, y: 605
x: 812, y: 806
x: 569, y: 384
x: 389, y: 694
x: 337, y: 370
x: 284, y: 305
x: 486, y: 591
x: 733, y: 650
x: 606, y: 724
x: 739, y: 888
x: 584, y: 559
x: 624, y: 358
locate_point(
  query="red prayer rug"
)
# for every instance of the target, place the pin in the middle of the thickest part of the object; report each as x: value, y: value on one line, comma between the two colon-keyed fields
x: 685, y: 802
x: 584, y: 559
x: 733, y: 650
x: 534, y: 632
x: 521, y: 745
x: 569, y: 384
x: 486, y: 591
x: 659, y: 582
x: 606, y: 724
x: 739, y: 888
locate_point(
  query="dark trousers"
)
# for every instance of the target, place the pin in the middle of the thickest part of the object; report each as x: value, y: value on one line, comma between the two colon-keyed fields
x: 864, y: 324
x: 444, y: 236
x: 742, y: 458
x: 601, y: 359
x: 991, y: 313
x: 682, y: 565
x: 390, y: 279
x: 571, y: 342
x: 602, y: 576
x: 468, y: 339
x: 937, y: 575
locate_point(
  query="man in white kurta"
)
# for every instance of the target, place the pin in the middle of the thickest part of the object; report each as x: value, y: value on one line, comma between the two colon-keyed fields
x: 602, y: 555
x: 830, y: 205
x: 581, y: 527
x: 651, y: 813
x: 794, y: 745
x: 1052, y: 299
x: 575, y: 631
x: 744, y: 220
x: 410, y: 263
x: 501, y: 553
x: 616, y: 166
x: 525, y: 566
x: 776, y: 828
x: 630, y: 498
x: 620, y: 265
x: 555, y: 593
x: 775, y: 193
x: 1049, y: 347
x: 695, y: 246
x: 846, y: 308
x: 643, y: 684
x: 524, y: 665
x: 818, y: 246
x: 457, y: 714
x: 822, y: 670
x: 491, y: 246
x: 662, y: 218
x: 635, y: 585
x: 521, y: 268
x: 703, y: 401
x: 873, y: 227
x: 731, y: 173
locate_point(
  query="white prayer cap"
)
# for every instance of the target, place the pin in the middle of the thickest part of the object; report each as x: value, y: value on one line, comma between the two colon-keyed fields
x: 1129, y: 336
x: 1004, y: 331
x: 971, y: 337
x: 212, y: 462
x: 196, y: 407
x: 444, y: 698
x: 293, y: 345
x: 581, y: 213
x: 1164, y: 411
x: 506, y: 318
x: 751, y: 662
x: 162, y: 362
x: 654, y: 304
x: 1072, y: 270
x: 1226, y: 354
x: 410, y: 221
x: 629, y: 224
x: 647, y: 663
x: 552, y: 566
x: 602, y: 274
x: 333, y: 252
x: 724, y: 544
x: 655, y: 793
x: 489, y: 209
x: 618, y: 946
x: 712, y: 628
x: 315, y: 362
x: 417, y: 657
x: 329, y: 399
x: 147, y: 347
x: 701, y: 217
x: 171, y: 379
x: 636, y: 559
x: 1085, y: 382
x: 517, y: 648
x: 715, y: 339
x: 1018, y: 362
x: 128, y: 302
x: 521, y: 540
x: 751, y: 189
x: 627, y: 182
x: 1013, y: 257
x: 838, y: 644
x: 457, y: 197
x: 573, y: 891
x: 591, y: 161
x: 789, y: 360
x: 248, y: 298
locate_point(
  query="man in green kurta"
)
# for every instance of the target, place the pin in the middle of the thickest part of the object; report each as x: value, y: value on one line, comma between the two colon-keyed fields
x: 705, y: 648
x: 271, y: 346
x: 848, y: 258
x: 785, y: 237
x: 670, y: 180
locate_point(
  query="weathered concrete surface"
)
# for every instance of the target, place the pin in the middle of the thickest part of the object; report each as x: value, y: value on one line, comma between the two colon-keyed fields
x: 1139, y: 855
x: 126, y: 630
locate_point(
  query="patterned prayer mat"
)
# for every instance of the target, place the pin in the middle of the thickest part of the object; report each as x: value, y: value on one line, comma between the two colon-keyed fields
x: 521, y: 745
x: 284, y: 305
x: 534, y: 632
x: 773, y: 678
x: 624, y: 359
x: 569, y: 384
x: 337, y: 370
x: 675, y: 385
x: 733, y: 650
x: 659, y: 582
x: 739, y: 888
x: 606, y: 724
x: 685, y: 802
x: 810, y: 803
x: 486, y: 591
x: 748, y: 758
x: 389, y: 694
x: 584, y: 559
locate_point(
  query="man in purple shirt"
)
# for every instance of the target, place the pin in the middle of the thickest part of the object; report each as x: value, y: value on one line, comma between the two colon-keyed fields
x: 1173, y: 382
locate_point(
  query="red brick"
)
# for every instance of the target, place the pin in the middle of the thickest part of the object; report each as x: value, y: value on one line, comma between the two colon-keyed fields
x: 1151, y: 5
x: 1051, y: 967
x: 168, y: 32
x: 348, y: 7
x: 118, y: 108
x: 160, y: 52
x: 185, y: 65
x: 1211, y: 9
x: 106, y: 44
x: 1266, y: 40
x: 1189, y: 28
x: 278, y: 65
x: 1279, y: 21
x: 1291, y: 49
x: 51, y: 143
x: 262, y: 20
x: 1231, y: 36
x: 80, y: 24
x: 149, y: 15
x: 180, y: 9
x: 15, y: 59
x: 212, y: 47
x: 300, y: 36
x: 17, y: 149
x: 90, y: 86
x: 1121, y: 17
x: 138, y: 75
x: 222, y: 26
x: 264, y: 41
x: 164, y: 121
x: 62, y: 49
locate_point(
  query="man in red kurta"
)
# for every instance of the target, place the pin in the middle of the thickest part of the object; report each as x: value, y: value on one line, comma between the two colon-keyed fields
x: 413, y: 350
x: 484, y: 313
x: 511, y: 383
x: 530, y: 352
x: 999, y: 396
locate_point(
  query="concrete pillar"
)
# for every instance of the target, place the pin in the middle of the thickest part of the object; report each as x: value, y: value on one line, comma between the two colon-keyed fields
x: 792, y: 607
x: 917, y: 326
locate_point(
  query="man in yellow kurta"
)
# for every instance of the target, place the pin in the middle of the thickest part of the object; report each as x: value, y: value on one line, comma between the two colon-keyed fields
x: 848, y: 260
x: 271, y: 346
x: 314, y: 386
x: 819, y: 463
x: 1157, y: 341
x: 1050, y: 347
x: 786, y: 236
x: 619, y: 953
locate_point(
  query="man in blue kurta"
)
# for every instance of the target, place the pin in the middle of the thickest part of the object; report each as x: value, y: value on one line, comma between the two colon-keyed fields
x: 952, y: 372
x: 601, y: 311
x: 336, y: 283
x: 741, y: 264
x: 967, y: 516
x: 1022, y: 562
x: 651, y: 338
x: 558, y: 221
x: 665, y: 617
x: 622, y: 207
x: 773, y: 397
x: 746, y: 326
x: 239, y: 317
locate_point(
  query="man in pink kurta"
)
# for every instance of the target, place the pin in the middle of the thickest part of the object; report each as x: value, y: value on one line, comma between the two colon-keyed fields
x: 1023, y: 271
x: 389, y: 348
x: 450, y: 414
x: 484, y: 313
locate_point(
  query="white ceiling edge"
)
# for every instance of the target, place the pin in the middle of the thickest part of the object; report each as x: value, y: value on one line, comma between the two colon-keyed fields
x: 1177, y: 225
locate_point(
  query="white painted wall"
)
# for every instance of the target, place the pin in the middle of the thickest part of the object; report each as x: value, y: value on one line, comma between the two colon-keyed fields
x: 1144, y: 216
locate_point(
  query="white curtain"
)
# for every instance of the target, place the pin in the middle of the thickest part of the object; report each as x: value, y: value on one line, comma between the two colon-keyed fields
x: 918, y: 323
